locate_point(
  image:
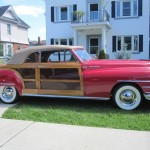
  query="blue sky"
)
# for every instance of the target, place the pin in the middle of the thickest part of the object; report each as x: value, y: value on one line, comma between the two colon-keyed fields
x: 32, y: 12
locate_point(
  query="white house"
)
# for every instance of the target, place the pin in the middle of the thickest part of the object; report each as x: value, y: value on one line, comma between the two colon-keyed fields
x: 13, y: 31
x: 100, y: 24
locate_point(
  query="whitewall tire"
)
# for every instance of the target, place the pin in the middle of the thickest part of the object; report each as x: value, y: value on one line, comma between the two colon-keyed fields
x: 8, y: 94
x: 127, y: 97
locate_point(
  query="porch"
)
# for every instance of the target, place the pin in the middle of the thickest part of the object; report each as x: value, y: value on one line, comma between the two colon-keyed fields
x: 92, y: 38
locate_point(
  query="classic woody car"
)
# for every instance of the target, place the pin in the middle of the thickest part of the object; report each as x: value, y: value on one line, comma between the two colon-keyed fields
x: 69, y: 71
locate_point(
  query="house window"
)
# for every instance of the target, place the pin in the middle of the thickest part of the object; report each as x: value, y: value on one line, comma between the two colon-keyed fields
x: 93, y: 12
x: 128, y: 41
x: 128, y: 8
x: 63, y: 41
x: 135, y: 8
x: 118, y: 9
x: 119, y: 43
x: 136, y: 43
x: 56, y: 42
x: 131, y: 42
x: 9, y: 52
x: 64, y: 13
x: 8, y: 29
x: 67, y: 41
x: 1, y: 50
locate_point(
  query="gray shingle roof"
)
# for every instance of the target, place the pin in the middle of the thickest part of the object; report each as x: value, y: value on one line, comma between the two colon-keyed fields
x: 3, y: 9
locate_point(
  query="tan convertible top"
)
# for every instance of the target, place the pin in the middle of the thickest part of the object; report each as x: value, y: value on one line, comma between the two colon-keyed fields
x: 20, y: 56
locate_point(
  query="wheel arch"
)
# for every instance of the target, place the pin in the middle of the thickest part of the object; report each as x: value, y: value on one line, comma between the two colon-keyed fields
x: 126, y: 83
x: 10, y: 77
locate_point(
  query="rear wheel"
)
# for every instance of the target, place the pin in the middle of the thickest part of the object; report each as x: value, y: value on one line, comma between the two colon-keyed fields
x: 127, y: 97
x: 8, y: 94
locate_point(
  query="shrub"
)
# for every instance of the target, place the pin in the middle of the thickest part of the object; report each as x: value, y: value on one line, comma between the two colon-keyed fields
x: 102, y: 54
x: 123, y: 53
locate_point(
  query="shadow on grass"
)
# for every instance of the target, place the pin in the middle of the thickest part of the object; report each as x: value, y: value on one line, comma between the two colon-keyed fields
x: 79, y: 105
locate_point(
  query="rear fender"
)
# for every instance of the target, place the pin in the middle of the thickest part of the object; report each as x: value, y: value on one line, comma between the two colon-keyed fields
x: 10, y: 77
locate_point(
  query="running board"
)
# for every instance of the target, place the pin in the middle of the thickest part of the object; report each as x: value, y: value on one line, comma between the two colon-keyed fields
x: 73, y: 97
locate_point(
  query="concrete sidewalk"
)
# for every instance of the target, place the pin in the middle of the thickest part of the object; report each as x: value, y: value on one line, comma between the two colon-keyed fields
x: 28, y: 135
x: 4, y: 107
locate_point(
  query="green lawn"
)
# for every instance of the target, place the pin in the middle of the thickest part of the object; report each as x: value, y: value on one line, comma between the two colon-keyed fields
x: 0, y: 61
x: 80, y: 112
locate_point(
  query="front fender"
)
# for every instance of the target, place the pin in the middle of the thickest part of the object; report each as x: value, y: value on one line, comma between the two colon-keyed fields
x: 9, y: 77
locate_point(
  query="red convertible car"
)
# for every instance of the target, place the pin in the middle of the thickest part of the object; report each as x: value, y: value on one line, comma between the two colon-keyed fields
x: 69, y: 71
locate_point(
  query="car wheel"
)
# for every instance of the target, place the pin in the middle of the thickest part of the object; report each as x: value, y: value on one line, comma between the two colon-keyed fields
x: 127, y: 97
x: 8, y: 94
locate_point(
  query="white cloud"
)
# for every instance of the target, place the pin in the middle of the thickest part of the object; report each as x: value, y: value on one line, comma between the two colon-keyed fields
x: 28, y: 10
x: 43, y: 30
x: 12, y: 1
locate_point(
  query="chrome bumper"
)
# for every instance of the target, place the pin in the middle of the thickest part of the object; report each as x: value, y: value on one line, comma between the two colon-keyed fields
x: 147, y: 96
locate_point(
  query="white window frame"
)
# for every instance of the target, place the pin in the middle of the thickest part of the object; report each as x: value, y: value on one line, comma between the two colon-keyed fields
x: 59, y: 41
x: 57, y: 13
x: 89, y: 12
x: 121, y: 9
x: 96, y: 37
x: 132, y: 42
x: 8, y: 29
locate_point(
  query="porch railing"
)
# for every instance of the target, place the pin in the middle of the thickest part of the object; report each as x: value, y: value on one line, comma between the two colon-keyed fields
x: 89, y: 16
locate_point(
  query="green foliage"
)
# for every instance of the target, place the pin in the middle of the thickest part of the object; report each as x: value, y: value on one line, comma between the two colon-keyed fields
x: 78, y: 112
x: 102, y: 54
x: 78, y: 15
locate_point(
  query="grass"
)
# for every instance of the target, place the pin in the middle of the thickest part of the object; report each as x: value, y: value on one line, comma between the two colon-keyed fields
x: 0, y: 61
x: 80, y: 112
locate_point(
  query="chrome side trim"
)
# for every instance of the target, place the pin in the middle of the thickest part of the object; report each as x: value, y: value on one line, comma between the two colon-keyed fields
x: 73, y: 97
x: 146, y: 87
x: 144, y: 81
x: 147, y: 96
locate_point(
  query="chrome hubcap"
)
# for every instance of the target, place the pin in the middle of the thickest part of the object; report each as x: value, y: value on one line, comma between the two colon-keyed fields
x: 7, y: 93
x: 128, y: 98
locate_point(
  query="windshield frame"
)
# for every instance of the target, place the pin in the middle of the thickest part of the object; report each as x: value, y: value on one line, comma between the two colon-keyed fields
x: 78, y: 55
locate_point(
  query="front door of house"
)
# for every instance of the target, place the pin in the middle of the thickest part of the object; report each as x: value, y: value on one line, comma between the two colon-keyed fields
x: 94, y: 46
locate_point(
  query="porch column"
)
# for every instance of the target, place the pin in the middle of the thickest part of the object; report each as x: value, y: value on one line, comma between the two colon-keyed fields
x: 104, y: 39
x: 75, y: 34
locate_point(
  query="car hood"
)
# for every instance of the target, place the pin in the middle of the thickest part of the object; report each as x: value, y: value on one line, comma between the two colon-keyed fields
x: 95, y: 64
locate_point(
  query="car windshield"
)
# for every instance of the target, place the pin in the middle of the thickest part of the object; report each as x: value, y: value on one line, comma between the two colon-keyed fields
x: 83, y: 55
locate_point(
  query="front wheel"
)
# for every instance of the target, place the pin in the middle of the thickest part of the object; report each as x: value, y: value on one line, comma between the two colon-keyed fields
x: 127, y: 97
x: 8, y: 94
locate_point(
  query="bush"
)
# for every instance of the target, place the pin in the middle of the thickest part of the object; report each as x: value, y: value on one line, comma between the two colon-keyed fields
x: 123, y: 53
x: 102, y: 54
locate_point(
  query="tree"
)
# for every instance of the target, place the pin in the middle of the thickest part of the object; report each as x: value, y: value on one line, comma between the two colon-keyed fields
x: 103, y: 3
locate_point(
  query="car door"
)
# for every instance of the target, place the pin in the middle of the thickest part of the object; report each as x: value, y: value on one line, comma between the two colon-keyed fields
x: 59, y: 74
x: 29, y: 73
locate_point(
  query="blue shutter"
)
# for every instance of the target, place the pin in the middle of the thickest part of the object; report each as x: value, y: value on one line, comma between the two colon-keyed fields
x: 52, y: 14
x: 52, y: 41
x: 140, y: 43
x: 74, y: 17
x: 113, y: 9
x: 114, y: 44
x: 140, y: 7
